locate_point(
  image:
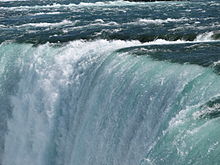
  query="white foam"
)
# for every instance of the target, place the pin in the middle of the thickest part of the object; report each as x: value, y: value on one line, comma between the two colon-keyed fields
x: 216, y: 63
x: 45, y: 13
x: 161, y: 21
x: 2, y: 26
x: 46, y: 24
x: 98, y: 22
x: 111, y: 3
x: 205, y: 37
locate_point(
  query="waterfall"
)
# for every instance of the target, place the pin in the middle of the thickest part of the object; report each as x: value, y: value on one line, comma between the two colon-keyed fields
x: 85, y: 103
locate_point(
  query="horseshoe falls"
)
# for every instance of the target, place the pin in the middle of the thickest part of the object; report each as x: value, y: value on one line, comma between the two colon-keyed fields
x: 90, y: 82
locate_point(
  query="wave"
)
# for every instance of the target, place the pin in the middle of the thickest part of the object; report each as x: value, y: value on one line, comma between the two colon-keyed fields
x: 208, y: 36
x: 12, y: 0
x: 3, y: 26
x: 161, y: 21
x: 46, y: 24
x: 54, y: 5
x: 96, y: 23
x: 81, y: 4
x: 45, y: 13
x: 112, y: 3
x: 200, y: 38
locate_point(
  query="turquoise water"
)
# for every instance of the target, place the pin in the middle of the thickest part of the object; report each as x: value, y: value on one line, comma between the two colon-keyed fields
x: 109, y: 83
